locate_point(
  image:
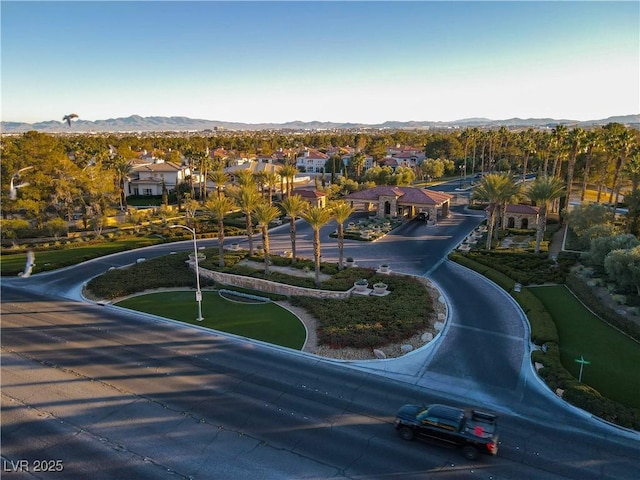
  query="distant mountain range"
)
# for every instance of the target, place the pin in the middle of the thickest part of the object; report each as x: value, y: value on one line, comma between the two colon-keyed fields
x: 136, y: 123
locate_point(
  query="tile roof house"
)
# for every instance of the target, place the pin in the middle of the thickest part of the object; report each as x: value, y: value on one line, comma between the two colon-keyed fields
x: 391, y: 200
x: 146, y: 178
x: 519, y: 216
x: 314, y: 197
x: 311, y: 161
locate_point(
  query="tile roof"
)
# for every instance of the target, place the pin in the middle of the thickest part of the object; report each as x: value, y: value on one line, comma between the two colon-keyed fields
x: 518, y: 208
x: 306, y: 193
x: 405, y: 195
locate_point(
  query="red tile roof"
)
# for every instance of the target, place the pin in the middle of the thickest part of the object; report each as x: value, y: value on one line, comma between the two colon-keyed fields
x: 405, y: 195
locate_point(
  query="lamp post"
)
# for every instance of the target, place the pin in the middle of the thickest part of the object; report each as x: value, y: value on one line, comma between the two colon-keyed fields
x: 195, y: 252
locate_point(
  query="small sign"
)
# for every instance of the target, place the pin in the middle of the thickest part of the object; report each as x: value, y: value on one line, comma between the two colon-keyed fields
x: 198, y: 296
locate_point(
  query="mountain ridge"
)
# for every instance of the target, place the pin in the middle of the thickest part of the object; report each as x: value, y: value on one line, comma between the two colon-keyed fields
x: 137, y: 123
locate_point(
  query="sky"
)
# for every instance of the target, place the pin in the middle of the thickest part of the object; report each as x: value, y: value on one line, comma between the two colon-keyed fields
x: 365, y: 62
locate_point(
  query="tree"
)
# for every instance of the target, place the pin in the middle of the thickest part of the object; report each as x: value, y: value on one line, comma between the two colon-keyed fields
x: 623, y: 267
x: 190, y: 207
x: 576, y: 140
x: 271, y: 179
x: 492, y: 189
x: 316, y: 217
x: 542, y: 192
x: 245, y: 178
x: 293, y: 206
x: 601, y: 247
x: 265, y: 214
x: 220, y: 178
x: 341, y: 211
x: 121, y: 168
x: 632, y: 218
x: 559, y: 134
x: 218, y: 207
x: 247, y: 198
x: 357, y: 163
x: 620, y: 142
x: 592, y: 141
x: 528, y: 147
x: 287, y: 173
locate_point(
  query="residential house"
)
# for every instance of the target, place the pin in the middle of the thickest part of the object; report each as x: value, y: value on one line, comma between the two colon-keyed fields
x: 311, y: 161
x: 393, y: 201
x: 146, y: 178
x: 314, y: 197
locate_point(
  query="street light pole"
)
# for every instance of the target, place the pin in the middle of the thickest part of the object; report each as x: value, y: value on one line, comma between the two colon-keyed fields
x: 195, y: 252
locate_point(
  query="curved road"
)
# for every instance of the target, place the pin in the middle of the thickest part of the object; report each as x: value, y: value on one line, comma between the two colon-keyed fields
x: 115, y: 395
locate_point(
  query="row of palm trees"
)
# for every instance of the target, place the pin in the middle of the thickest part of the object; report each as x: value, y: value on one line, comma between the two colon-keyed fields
x: 247, y: 198
x: 499, y: 190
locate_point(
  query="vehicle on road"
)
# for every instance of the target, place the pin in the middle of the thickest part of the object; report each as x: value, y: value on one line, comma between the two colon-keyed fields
x: 474, y: 432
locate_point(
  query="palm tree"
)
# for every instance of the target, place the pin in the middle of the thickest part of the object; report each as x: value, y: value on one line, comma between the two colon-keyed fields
x: 510, y: 193
x: 559, y: 134
x: 218, y: 207
x: 575, y: 140
x: 245, y: 178
x: 265, y: 214
x: 316, y: 217
x: 287, y: 172
x: 528, y: 146
x: 271, y: 179
x: 341, y: 211
x: 592, y: 141
x: 219, y: 177
x: 293, y: 206
x: 247, y: 198
x: 121, y: 168
x: 491, y: 189
x: 620, y: 142
x: 542, y: 192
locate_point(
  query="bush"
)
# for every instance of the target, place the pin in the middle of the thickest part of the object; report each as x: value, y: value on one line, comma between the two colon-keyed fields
x: 164, y: 272
x: 544, y: 331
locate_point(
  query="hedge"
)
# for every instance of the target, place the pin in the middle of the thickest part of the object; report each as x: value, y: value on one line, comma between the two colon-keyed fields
x: 544, y: 331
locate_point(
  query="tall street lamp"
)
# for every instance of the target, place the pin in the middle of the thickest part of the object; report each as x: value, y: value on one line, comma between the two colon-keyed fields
x: 195, y: 252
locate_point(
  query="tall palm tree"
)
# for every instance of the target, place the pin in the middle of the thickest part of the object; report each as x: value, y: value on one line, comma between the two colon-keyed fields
x: 287, y: 173
x: 341, y: 211
x: 620, y: 141
x: 121, y: 168
x: 247, y: 198
x: 218, y: 207
x: 220, y: 178
x: 245, y: 178
x: 491, y: 189
x: 591, y: 142
x: 542, y: 192
x: 528, y: 146
x: 271, y: 179
x: 559, y: 135
x: 316, y: 217
x: 293, y: 206
x: 510, y: 193
x: 265, y: 214
x: 575, y: 139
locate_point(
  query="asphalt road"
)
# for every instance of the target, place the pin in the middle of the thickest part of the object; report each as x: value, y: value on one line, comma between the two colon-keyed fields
x: 115, y: 395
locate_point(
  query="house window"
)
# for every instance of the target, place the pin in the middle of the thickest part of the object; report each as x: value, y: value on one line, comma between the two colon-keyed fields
x: 147, y: 191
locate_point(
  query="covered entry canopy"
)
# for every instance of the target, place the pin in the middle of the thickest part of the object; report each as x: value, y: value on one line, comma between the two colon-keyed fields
x: 393, y: 200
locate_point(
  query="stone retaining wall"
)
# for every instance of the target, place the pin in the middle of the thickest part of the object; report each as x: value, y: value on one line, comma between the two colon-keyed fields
x: 269, y: 286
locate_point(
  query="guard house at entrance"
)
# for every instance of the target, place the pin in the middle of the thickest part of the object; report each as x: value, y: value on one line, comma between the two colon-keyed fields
x: 393, y: 201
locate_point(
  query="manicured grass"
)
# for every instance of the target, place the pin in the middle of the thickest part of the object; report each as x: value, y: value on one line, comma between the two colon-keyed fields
x: 267, y: 322
x: 614, y: 357
x: 12, y: 264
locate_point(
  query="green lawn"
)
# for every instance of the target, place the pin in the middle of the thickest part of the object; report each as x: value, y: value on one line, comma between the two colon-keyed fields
x: 614, y: 357
x: 267, y: 322
x: 12, y: 264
